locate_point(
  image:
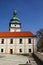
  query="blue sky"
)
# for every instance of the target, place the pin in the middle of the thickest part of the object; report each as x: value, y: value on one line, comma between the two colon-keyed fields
x: 30, y: 13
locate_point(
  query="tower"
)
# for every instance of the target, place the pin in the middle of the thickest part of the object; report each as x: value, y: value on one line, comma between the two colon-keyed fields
x: 15, y: 25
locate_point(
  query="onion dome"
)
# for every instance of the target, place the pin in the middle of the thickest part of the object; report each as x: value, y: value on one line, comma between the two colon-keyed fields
x: 15, y: 19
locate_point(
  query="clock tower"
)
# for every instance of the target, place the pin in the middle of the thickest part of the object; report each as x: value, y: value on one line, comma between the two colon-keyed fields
x: 15, y: 25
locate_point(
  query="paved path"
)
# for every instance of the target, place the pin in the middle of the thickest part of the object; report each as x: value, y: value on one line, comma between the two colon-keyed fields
x: 32, y: 61
x: 8, y: 59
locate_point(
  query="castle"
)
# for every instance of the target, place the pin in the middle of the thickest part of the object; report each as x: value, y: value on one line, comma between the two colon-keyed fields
x: 15, y: 41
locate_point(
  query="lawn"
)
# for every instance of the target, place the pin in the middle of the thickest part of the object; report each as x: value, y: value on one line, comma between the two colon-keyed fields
x: 25, y: 54
x: 24, y: 64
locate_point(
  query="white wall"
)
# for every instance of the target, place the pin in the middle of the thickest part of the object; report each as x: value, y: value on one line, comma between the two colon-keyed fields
x: 25, y: 46
x: 15, y: 28
x: 13, y: 25
x: 3, y: 46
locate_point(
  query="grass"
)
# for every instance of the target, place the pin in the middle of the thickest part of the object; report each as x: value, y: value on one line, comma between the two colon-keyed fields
x: 25, y: 54
x: 24, y: 64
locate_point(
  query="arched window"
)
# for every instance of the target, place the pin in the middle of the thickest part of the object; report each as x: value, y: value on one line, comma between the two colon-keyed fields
x: 11, y: 41
x: 20, y: 41
x: 1, y: 50
x: 20, y: 50
x: 29, y: 41
x: 2, y: 41
x: 29, y: 50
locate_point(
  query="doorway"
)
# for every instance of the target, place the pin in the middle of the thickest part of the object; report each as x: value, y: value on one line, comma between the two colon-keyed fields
x: 11, y: 51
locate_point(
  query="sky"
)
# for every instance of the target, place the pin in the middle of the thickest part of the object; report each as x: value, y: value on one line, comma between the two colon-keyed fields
x: 30, y: 13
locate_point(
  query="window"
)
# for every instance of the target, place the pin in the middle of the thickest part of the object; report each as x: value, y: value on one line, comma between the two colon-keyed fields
x: 29, y: 50
x: 2, y: 41
x: 11, y: 41
x: 29, y: 41
x: 20, y: 50
x: 20, y: 41
x: 1, y: 50
x: 15, y: 25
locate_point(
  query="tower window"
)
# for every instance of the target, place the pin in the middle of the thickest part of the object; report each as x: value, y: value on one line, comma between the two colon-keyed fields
x: 2, y: 41
x: 11, y: 41
x: 29, y: 40
x: 20, y: 50
x: 29, y: 50
x: 15, y: 25
x: 20, y: 41
x: 1, y: 50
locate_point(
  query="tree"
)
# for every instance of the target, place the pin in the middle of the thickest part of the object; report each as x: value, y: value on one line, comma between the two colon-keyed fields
x: 40, y: 39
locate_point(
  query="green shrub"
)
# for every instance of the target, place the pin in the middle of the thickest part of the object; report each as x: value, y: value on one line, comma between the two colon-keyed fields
x: 24, y: 64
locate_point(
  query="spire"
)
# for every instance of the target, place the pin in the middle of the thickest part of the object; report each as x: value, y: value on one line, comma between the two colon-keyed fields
x: 15, y: 13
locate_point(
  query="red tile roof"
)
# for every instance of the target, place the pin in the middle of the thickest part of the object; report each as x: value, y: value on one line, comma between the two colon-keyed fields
x: 16, y: 34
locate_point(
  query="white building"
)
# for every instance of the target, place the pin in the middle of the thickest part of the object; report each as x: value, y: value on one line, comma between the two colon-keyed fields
x: 15, y: 41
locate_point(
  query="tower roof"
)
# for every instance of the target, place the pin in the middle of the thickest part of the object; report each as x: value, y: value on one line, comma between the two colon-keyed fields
x: 15, y: 19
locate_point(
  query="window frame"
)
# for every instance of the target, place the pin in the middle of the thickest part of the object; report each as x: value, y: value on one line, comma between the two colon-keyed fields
x: 20, y: 41
x: 30, y: 50
x: 2, y: 50
x: 29, y: 40
x: 20, y: 50
x: 2, y: 41
x: 11, y: 41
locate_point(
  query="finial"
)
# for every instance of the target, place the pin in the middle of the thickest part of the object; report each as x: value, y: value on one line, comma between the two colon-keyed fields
x: 14, y: 13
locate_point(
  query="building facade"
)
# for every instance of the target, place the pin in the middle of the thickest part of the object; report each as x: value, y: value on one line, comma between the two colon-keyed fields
x: 15, y: 41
